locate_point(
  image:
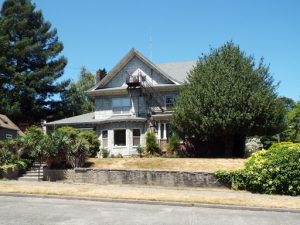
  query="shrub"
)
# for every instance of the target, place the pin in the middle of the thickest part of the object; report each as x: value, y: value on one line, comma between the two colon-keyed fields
x: 119, y: 155
x: 151, y: 144
x: 140, y: 150
x: 173, y: 146
x: 92, y: 141
x: 7, y: 151
x: 88, y: 137
x: 104, y: 152
x: 252, y: 145
x: 68, y: 148
x: 272, y: 171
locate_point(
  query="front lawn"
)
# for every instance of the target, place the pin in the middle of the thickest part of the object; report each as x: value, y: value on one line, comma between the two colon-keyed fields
x: 167, y: 164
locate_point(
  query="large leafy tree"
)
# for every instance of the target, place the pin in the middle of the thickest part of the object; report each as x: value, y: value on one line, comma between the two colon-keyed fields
x: 30, y: 64
x: 228, y: 97
x: 292, y: 133
x: 74, y: 100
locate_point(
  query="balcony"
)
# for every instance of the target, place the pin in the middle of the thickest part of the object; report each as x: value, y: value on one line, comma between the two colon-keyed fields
x: 133, y: 80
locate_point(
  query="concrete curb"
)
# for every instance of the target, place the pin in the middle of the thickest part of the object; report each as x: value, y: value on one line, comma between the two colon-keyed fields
x: 129, y: 201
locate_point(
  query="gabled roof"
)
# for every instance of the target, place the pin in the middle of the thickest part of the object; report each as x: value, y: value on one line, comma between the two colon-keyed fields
x: 178, y: 70
x: 131, y: 54
x: 5, y: 122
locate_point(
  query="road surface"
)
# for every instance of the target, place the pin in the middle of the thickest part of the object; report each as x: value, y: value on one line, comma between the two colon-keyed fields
x: 39, y: 211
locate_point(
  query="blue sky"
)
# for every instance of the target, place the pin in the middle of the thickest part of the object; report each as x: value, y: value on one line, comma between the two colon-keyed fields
x: 98, y: 33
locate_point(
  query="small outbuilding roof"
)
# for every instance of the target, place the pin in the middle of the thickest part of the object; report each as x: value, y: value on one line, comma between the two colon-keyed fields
x: 5, y: 122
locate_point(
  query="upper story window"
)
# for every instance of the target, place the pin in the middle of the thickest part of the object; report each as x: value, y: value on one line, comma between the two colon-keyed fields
x: 170, y: 102
x: 121, y: 105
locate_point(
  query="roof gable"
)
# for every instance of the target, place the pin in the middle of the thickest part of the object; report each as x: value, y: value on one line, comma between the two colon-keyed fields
x: 5, y: 122
x: 130, y: 57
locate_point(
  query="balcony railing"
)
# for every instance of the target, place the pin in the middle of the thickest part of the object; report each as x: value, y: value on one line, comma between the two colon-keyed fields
x: 133, y: 81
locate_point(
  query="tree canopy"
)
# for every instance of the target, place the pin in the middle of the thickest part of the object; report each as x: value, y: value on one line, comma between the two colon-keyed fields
x: 228, y: 95
x: 30, y: 62
x: 292, y: 133
x: 74, y: 101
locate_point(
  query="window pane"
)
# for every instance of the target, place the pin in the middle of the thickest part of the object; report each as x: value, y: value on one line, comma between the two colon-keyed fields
x: 120, y: 137
x: 170, y: 100
x: 104, y: 134
x: 136, y: 141
x: 136, y: 132
x: 104, y: 142
x: 161, y: 131
x: 125, y: 102
x: 121, y: 105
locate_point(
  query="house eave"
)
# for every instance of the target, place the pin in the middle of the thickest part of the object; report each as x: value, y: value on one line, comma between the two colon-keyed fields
x: 113, y: 91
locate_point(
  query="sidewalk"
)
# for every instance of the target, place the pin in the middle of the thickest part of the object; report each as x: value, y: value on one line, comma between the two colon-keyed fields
x: 165, y: 195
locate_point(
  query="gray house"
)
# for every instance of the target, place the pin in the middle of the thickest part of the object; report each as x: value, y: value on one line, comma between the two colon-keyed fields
x: 8, y: 130
x: 136, y: 96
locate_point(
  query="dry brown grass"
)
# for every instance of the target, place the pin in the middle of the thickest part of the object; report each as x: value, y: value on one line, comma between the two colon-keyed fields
x: 171, y: 164
x: 213, y: 196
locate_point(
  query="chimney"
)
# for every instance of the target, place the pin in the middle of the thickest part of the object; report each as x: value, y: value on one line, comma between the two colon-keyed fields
x: 98, y: 76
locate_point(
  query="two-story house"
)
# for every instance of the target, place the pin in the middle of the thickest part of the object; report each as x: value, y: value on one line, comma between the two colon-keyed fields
x: 136, y: 96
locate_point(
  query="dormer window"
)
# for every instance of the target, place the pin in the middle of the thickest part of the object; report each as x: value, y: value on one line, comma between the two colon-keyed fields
x: 121, y: 105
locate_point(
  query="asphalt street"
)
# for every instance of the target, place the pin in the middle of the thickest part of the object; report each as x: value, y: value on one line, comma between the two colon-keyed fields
x: 44, y: 211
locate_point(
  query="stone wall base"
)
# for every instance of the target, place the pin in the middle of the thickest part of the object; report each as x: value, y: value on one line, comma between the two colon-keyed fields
x: 137, y: 177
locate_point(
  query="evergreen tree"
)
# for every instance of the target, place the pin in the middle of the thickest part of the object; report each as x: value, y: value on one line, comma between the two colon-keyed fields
x: 29, y: 62
x: 227, y: 97
x: 100, y: 74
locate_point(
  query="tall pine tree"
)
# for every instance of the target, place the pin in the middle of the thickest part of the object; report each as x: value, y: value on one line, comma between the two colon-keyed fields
x: 29, y: 62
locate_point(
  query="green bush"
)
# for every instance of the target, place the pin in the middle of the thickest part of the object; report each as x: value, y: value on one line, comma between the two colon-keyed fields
x: 272, y: 171
x: 173, y: 147
x: 92, y: 141
x: 104, y: 152
x: 6, y: 156
x: 152, y: 146
x: 88, y: 137
x: 140, y: 150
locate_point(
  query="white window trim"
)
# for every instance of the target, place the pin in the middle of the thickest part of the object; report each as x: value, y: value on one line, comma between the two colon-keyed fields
x: 8, y: 136
x: 104, y: 138
x: 170, y: 96
x: 136, y: 136
x: 120, y: 146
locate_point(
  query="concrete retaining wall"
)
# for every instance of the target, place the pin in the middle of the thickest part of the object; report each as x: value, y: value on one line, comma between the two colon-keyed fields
x: 138, y: 177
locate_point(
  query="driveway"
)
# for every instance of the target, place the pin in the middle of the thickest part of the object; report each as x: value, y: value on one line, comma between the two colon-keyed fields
x: 39, y: 211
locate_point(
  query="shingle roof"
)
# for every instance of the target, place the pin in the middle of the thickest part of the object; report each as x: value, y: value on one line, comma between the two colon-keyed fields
x: 89, y: 118
x: 177, y: 70
x: 5, y: 122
